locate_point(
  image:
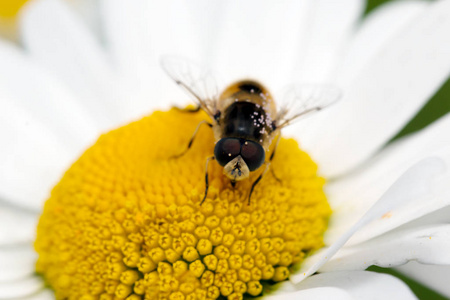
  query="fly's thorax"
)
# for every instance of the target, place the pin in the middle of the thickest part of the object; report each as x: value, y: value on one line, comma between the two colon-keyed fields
x: 246, y: 120
x: 247, y: 111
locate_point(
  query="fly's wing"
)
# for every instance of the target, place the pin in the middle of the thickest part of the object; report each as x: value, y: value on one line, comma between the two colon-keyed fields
x: 196, y: 80
x: 302, y: 100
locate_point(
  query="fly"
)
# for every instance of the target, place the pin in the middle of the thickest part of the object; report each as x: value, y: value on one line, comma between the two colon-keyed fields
x: 244, y: 117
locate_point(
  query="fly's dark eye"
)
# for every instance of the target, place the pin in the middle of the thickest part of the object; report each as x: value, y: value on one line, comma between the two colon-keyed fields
x: 226, y: 149
x: 253, y: 155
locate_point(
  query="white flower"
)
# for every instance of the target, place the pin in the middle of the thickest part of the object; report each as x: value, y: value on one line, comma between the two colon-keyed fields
x: 68, y: 85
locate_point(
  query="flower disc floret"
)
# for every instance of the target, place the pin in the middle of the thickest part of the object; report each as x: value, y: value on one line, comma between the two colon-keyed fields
x: 125, y: 221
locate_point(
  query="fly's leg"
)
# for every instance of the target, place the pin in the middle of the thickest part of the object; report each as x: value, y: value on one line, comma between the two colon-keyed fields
x: 275, y: 176
x: 257, y: 180
x: 192, y: 138
x: 272, y: 155
x: 206, y: 178
x: 266, y: 169
x: 188, y: 110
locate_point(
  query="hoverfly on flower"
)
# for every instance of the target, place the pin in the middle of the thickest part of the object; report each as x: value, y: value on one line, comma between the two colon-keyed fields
x: 244, y: 116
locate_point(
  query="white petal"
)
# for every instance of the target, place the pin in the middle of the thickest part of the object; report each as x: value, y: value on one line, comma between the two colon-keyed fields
x: 140, y: 32
x: 32, y: 160
x: 439, y: 216
x: 260, y: 40
x: 351, y: 196
x: 428, y: 245
x: 434, y: 276
x: 88, y: 10
x: 329, y: 27
x: 17, y: 263
x: 319, y: 293
x: 414, y: 183
x: 46, y: 99
x: 16, y: 226
x: 24, y: 288
x: 288, y: 290
x: 55, y: 37
x: 387, y: 93
x: 361, y: 285
x: 41, y: 295
x: 375, y: 31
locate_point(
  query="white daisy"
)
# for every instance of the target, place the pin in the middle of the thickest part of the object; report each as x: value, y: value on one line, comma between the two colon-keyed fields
x: 67, y: 85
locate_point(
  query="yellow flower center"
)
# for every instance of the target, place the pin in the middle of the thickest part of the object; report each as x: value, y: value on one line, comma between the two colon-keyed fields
x: 9, y: 8
x: 125, y: 221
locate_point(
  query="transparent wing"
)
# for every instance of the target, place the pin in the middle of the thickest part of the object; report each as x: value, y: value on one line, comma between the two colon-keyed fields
x: 302, y: 100
x: 196, y: 80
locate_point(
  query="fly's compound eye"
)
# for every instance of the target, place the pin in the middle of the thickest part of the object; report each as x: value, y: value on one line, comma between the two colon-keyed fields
x: 226, y: 149
x: 253, y: 155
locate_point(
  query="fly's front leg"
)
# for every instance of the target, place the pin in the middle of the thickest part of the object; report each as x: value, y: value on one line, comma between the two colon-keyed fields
x: 258, y: 180
x: 272, y: 155
x: 206, y: 178
x: 192, y: 138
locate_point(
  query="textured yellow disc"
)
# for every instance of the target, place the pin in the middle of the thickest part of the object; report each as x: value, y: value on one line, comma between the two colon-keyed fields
x: 9, y: 8
x: 125, y: 221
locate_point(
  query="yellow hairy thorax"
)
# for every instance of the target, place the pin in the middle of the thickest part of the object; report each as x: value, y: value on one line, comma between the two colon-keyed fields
x: 125, y: 221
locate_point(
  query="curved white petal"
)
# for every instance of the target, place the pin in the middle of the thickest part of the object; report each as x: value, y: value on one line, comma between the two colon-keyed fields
x: 41, y: 295
x: 56, y: 38
x: 318, y: 293
x: 329, y: 25
x: 269, y: 40
x: 439, y: 216
x: 387, y: 93
x: 141, y: 31
x: 352, y: 196
x: 434, y: 276
x: 413, y: 183
x: 361, y: 285
x: 28, y: 287
x: 260, y: 40
x: 375, y: 31
x: 138, y: 33
x: 88, y: 11
x: 429, y: 245
x: 32, y: 160
x: 17, y: 263
x: 16, y: 226
x: 46, y: 98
